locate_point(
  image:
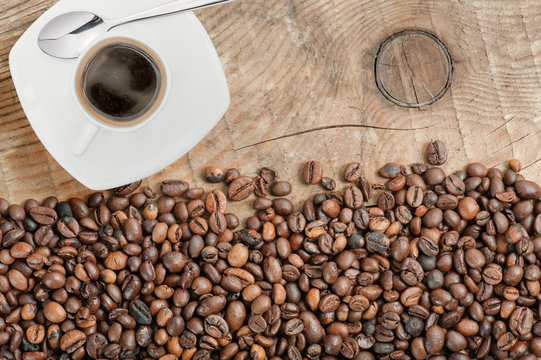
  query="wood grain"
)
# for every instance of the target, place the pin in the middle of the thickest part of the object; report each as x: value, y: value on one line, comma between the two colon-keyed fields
x: 302, y: 87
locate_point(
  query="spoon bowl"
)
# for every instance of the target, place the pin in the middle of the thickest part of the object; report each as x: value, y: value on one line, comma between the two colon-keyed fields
x: 69, y: 34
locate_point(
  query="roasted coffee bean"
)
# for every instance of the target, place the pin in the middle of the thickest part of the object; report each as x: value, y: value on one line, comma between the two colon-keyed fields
x: 174, y: 261
x: 377, y: 242
x: 140, y: 312
x: 240, y: 188
x: 174, y: 187
x: 313, y: 172
x: 216, y: 326
x: 352, y: 172
x: 436, y: 152
x: 95, y: 345
x: 281, y: 188
x: 389, y: 170
x: 328, y: 183
x: 43, y: 215
x: 214, y: 174
x: 527, y: 189
x: 521, y: 321
x: 440, y: 265
x: 127, y: 189
x: 72, y: 340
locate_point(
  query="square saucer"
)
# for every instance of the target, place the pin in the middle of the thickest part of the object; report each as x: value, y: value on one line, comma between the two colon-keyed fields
x: 196, y: 95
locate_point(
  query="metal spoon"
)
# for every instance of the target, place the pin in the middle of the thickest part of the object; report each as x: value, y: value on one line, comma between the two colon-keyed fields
x: 67, y: 35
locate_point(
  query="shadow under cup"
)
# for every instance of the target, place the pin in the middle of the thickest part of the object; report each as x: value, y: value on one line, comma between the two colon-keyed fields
x: 120, y: 82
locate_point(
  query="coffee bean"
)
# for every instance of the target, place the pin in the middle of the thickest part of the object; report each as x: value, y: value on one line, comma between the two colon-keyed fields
x: 377, y: 242
x: 506, y: 342
x: 328, y: 183
x: 468, y: 208
x: 527, y: 189
x: 127, y: 189
x: 329, y: 303
x: 257, y: 324
x: 174, y: 261
x: 521, y: 321
x: 54, y: 312
x: 411, y: 272
x: 386, y: 201
x: 12, y: 236
x: 390, y: 170
x: 352, y: 172
x: 454, y: 185
x: 216, y: 326
x: 435, y: 339
x: 414, y: 326
x: 95, y: 345
x: 240, y: 188
x: 44, y: 215
x: 436, y: 152
x: 122, y: 278
x: 72, y: 340
x: 214, y: 174
x: 140, y: 312
x: 272, y: 269
x: 143, y: 336
x: 281, y: 188
x: 353, y: 197
x: 313, y: 171
x: 174, y: 187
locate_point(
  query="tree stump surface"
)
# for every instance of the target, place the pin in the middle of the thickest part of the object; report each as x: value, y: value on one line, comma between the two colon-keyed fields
x: 339, y: 81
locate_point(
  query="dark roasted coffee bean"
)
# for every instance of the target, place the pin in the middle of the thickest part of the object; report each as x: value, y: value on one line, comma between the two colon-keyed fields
x: 377, y: 242
x: 527, y: 189
x: 389, y: 170
x: 127, y: 189
x: 140, y: 312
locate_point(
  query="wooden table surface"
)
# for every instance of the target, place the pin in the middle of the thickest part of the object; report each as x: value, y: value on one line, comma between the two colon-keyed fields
x: 303, y: 87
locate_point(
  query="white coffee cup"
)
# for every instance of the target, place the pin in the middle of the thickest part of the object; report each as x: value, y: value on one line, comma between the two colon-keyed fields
x: 103, y: 84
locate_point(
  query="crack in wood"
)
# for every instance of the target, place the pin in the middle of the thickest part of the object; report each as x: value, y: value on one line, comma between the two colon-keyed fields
x: 502, y: 125
x: 530, y: 164
x: 321, y: 128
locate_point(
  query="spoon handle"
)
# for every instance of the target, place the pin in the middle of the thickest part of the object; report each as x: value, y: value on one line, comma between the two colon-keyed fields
x: 169, y: 8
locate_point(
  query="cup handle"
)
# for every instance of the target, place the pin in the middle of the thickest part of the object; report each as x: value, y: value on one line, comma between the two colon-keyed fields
x: 84, y: 139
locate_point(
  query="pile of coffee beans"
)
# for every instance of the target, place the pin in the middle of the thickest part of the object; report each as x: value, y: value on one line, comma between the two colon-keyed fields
x: 425, y: 266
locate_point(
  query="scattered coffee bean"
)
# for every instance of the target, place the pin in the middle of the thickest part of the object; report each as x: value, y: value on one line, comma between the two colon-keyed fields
x: 214, y: 174
x: 352, y: 172
x: 281, y: 188
x: 436, y: 152
x: 241, y: 188
x: 328, y: 183
x: 313, y: 172
x: 127, y: 189
x: 442, y: 266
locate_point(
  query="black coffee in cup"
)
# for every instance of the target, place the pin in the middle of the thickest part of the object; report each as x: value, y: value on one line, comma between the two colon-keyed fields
x: 120, y: 82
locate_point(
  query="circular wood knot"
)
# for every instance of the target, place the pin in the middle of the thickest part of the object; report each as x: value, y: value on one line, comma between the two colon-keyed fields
x: 413, y: 68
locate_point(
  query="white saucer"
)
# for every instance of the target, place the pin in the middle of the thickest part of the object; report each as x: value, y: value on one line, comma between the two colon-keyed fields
x: 196, y: 96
